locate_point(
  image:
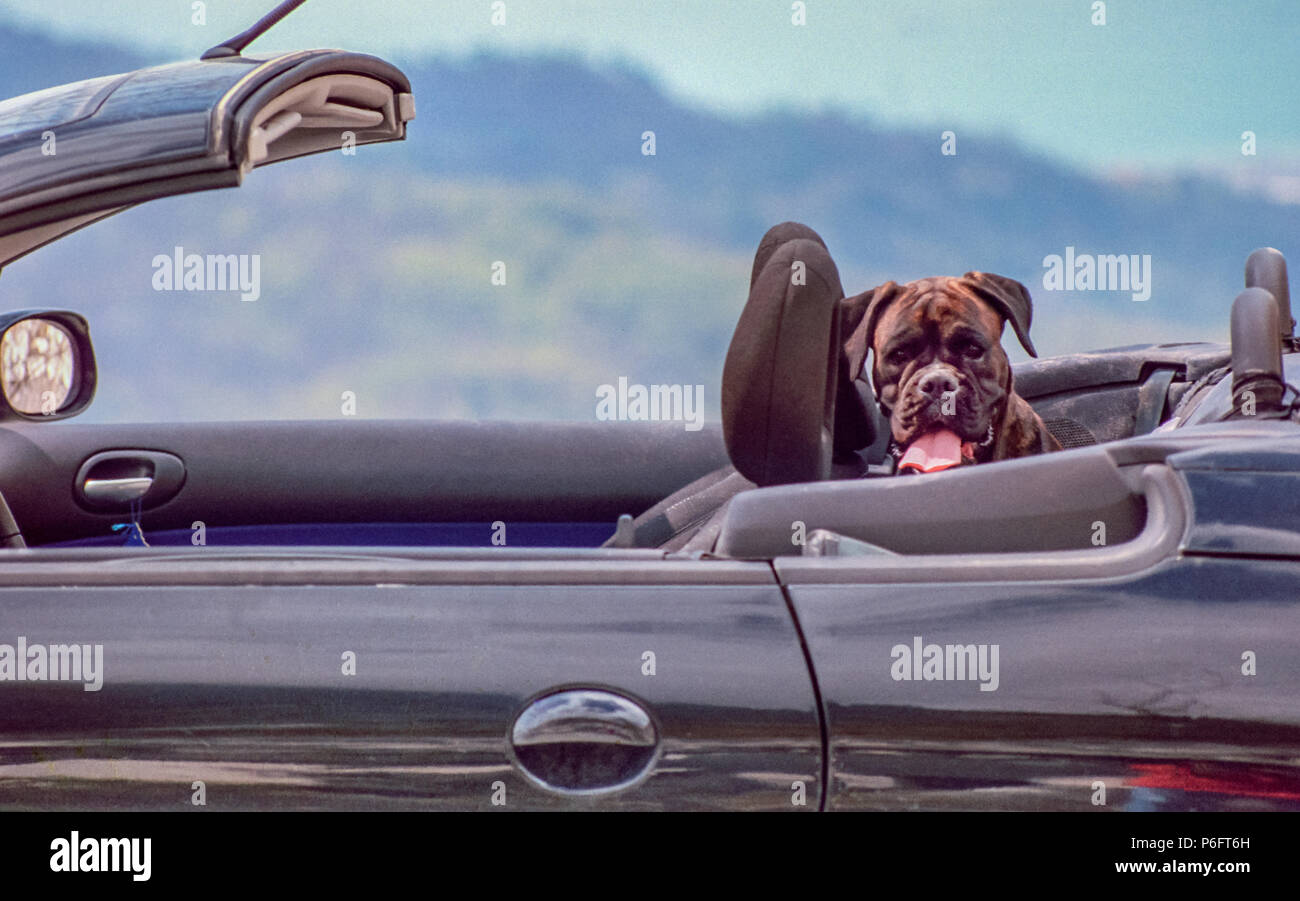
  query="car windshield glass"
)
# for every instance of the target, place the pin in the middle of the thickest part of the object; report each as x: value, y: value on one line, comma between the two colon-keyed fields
x: 52, y: 107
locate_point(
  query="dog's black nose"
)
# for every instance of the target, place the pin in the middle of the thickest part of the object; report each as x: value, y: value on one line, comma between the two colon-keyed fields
x: 937, y: 383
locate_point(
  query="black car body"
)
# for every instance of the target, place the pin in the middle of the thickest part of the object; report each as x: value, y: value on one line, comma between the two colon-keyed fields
x: 415, y: 615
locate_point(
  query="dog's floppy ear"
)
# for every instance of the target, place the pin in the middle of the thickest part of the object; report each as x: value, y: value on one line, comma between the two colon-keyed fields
x: 858, y: 317
x: 1008, y: 297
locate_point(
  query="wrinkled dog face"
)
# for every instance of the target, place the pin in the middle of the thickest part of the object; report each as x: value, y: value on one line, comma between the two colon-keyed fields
x: 939, y: 370
x: 938, y: 364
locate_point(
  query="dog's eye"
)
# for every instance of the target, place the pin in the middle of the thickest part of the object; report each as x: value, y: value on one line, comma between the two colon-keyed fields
x: 897, y: 357
x: 972, y: 349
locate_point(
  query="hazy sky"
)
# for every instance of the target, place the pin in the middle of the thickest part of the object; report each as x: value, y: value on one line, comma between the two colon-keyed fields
x: 1163, y: 83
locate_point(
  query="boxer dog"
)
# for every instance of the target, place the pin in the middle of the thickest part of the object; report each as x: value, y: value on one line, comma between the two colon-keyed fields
x: 939, y: 370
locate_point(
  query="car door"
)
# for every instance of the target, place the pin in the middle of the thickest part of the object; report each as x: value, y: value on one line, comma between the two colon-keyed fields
x: 1158, y: 672
x: 426, y: 679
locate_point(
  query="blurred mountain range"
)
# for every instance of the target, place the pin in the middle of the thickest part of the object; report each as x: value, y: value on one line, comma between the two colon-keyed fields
x: 376, y: 269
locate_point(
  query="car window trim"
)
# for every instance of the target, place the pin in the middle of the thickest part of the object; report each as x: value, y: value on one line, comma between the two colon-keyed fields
x: 75, y: 567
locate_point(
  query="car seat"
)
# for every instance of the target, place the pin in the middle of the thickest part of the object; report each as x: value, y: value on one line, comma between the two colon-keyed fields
x: 790, y: 412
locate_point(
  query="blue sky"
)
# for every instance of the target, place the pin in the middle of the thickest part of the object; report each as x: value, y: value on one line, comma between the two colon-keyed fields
x: 1164, y: 84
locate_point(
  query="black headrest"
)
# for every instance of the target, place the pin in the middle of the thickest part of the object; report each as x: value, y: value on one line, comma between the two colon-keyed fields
x: 775, y: 237
x: 785, y: 368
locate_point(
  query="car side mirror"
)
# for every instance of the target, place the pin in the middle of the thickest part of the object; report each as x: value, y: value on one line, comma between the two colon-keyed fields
x: 47, y: 365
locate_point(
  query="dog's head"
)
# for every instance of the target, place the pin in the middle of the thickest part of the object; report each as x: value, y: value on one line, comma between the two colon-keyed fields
x: 938, y: 368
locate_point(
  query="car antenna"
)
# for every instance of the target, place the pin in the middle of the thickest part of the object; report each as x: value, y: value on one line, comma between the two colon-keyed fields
x: 234, y: 46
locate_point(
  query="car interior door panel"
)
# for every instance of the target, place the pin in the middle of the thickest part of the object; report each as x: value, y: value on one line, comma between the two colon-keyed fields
x: 318, y: 474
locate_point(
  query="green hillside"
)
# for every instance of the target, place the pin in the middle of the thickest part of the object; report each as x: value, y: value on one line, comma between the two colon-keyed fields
x: 383, y: 287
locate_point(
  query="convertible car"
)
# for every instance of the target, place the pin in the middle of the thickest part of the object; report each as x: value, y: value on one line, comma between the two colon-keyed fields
x: 621, y: 616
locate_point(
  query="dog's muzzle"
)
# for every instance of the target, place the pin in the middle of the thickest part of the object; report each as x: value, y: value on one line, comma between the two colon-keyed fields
x: 937, y: 397
x: 939, y: 418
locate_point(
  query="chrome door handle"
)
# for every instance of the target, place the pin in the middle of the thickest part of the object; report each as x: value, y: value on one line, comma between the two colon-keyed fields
x: 113, y: 480
x: 585, y: 741
x: 117, y: 491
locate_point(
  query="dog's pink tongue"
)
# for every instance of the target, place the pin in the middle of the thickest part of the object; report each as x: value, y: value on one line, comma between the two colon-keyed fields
x: 933, y: 451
